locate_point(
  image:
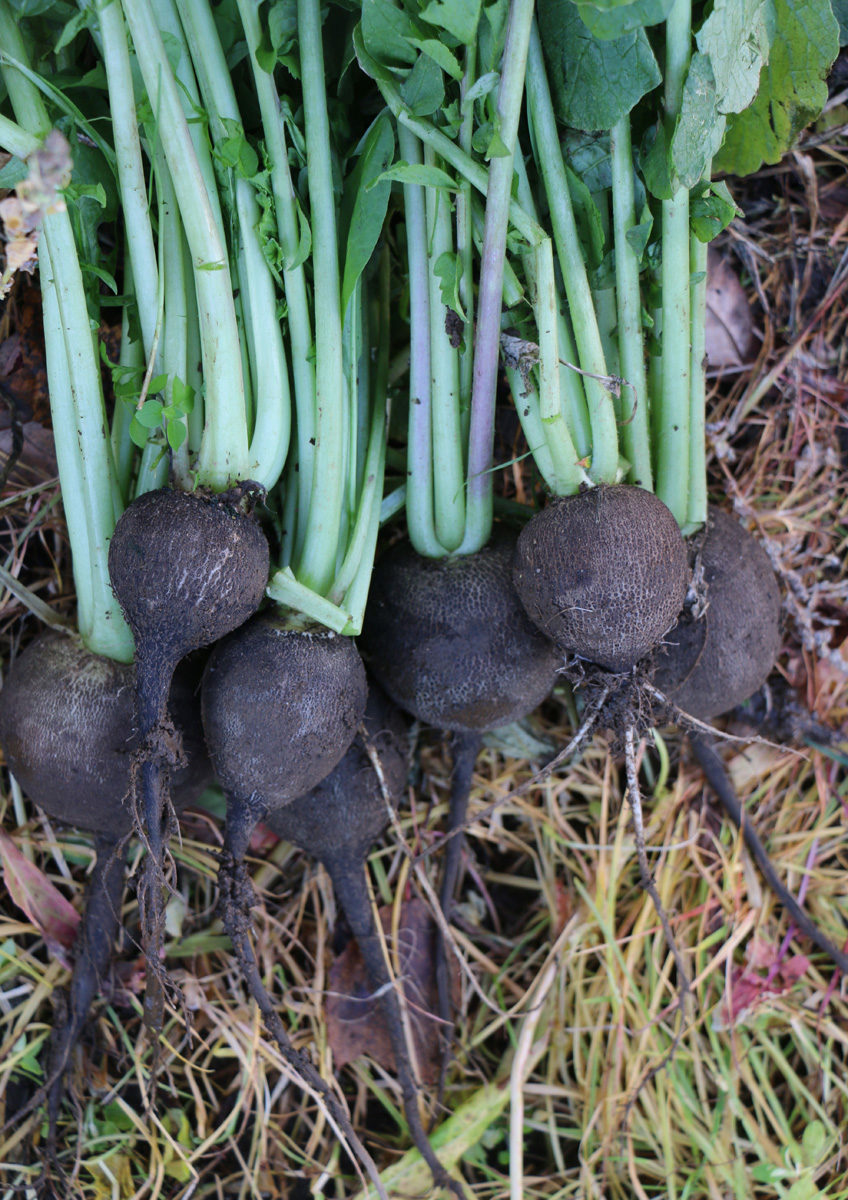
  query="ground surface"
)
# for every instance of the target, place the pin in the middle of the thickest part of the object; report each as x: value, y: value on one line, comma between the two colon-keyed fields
x: 567, y: 987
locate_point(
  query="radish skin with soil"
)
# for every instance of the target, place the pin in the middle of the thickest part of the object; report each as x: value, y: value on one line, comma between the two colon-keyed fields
x: 68, y: 734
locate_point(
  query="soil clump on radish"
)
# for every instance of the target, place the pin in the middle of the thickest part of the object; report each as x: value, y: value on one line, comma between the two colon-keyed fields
x: 712, y: 661
x: 603, y: 573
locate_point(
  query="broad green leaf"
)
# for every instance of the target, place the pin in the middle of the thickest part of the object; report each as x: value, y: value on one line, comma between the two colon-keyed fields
x: 386, y: 30
x: 639, y: 235
x: 76, y: 24
x: 448, y: 271
x: 138, y: 433
x: 588, y: 155
x: 590, y: 226
x: 13, y: 172
x: 711, y: 209
x: 364, y: 207
x: 611, y: 20
x: 840, y: 11
x: 458, y: 17
x: 440, y: 54
x: 176, y: 434
x: 150, y: 414
x: 481, y: 87
x: 423, y: 90
x: 594, y: 82
x: 656, y: 165
x: 700, y: 126
x: 282, y: 23
x: 804, y: 37
x: 420, y: 173
x: 742, y: 25
x: 182, y: 396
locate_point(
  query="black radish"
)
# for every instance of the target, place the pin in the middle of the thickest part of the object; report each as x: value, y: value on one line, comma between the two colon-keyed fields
x: 68, y: 734
x: 449, y: 641
x: 186, y: 568
x: 712, y: 661
x: 281, y: 704
x: 603, y: 573
x: 337, y: 823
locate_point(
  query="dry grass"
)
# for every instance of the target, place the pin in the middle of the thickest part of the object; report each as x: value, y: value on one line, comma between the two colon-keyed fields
x: 568, y: 988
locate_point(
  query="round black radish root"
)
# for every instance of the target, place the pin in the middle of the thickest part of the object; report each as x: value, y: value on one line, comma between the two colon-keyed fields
x: 281, y: 705
x: 603, y: 573
x: 710, y: 664
x: 68, y: 734
x: 339, y: 820
x: 449, y: 642
x: 186, y: 569
x: 337, y: 823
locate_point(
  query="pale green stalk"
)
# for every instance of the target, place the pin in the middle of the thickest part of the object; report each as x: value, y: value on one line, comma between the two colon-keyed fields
x: 79, y: 415
x: 419, y: 484
x: 465, y: 247
x: 604, y: 467
x: 478, y: 515
x: 526, y: 401
x: 131, y: 357
x: 15, y: 140
x: 671, y: 428
x: 635, y: 430
x: 572, y: 394
x: 317, y: 561
x: 294, y: 278
x: 567, y: 475
x: 135, y: 204
x: 266, y: 355
x: 448, y: 472
x: 696, y: 512
x: 223, y: 455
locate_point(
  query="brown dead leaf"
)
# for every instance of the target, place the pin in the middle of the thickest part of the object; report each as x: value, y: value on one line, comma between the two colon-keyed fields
x: 53, y: 915
x: 765, y: 974
x: 354, y: 1023
x: 729, y: 326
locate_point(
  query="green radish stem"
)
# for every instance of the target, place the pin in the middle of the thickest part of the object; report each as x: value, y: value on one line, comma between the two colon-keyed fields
x: 478, y: 516
x: 83, y: 450
x: 604, y: 465
x: 670, y: 410
x: 635, y: 430
x: 696, y: 512
x: 223, y: 455
x: 419, y: 489
x: 266, y: 354
x: 448, y: 480
x: 317, y: 560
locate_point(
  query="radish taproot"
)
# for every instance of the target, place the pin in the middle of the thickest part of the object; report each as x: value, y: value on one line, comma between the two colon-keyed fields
x: 337, y: 823
x: 68, y: 734
x: 281, y: 702
x: 186, y: 569
x: 448, y: 640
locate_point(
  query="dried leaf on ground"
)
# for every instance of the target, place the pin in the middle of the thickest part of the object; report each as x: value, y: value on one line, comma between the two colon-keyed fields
x: 44, y: 904
x: 730, y: 326
x: 354, y: 1022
